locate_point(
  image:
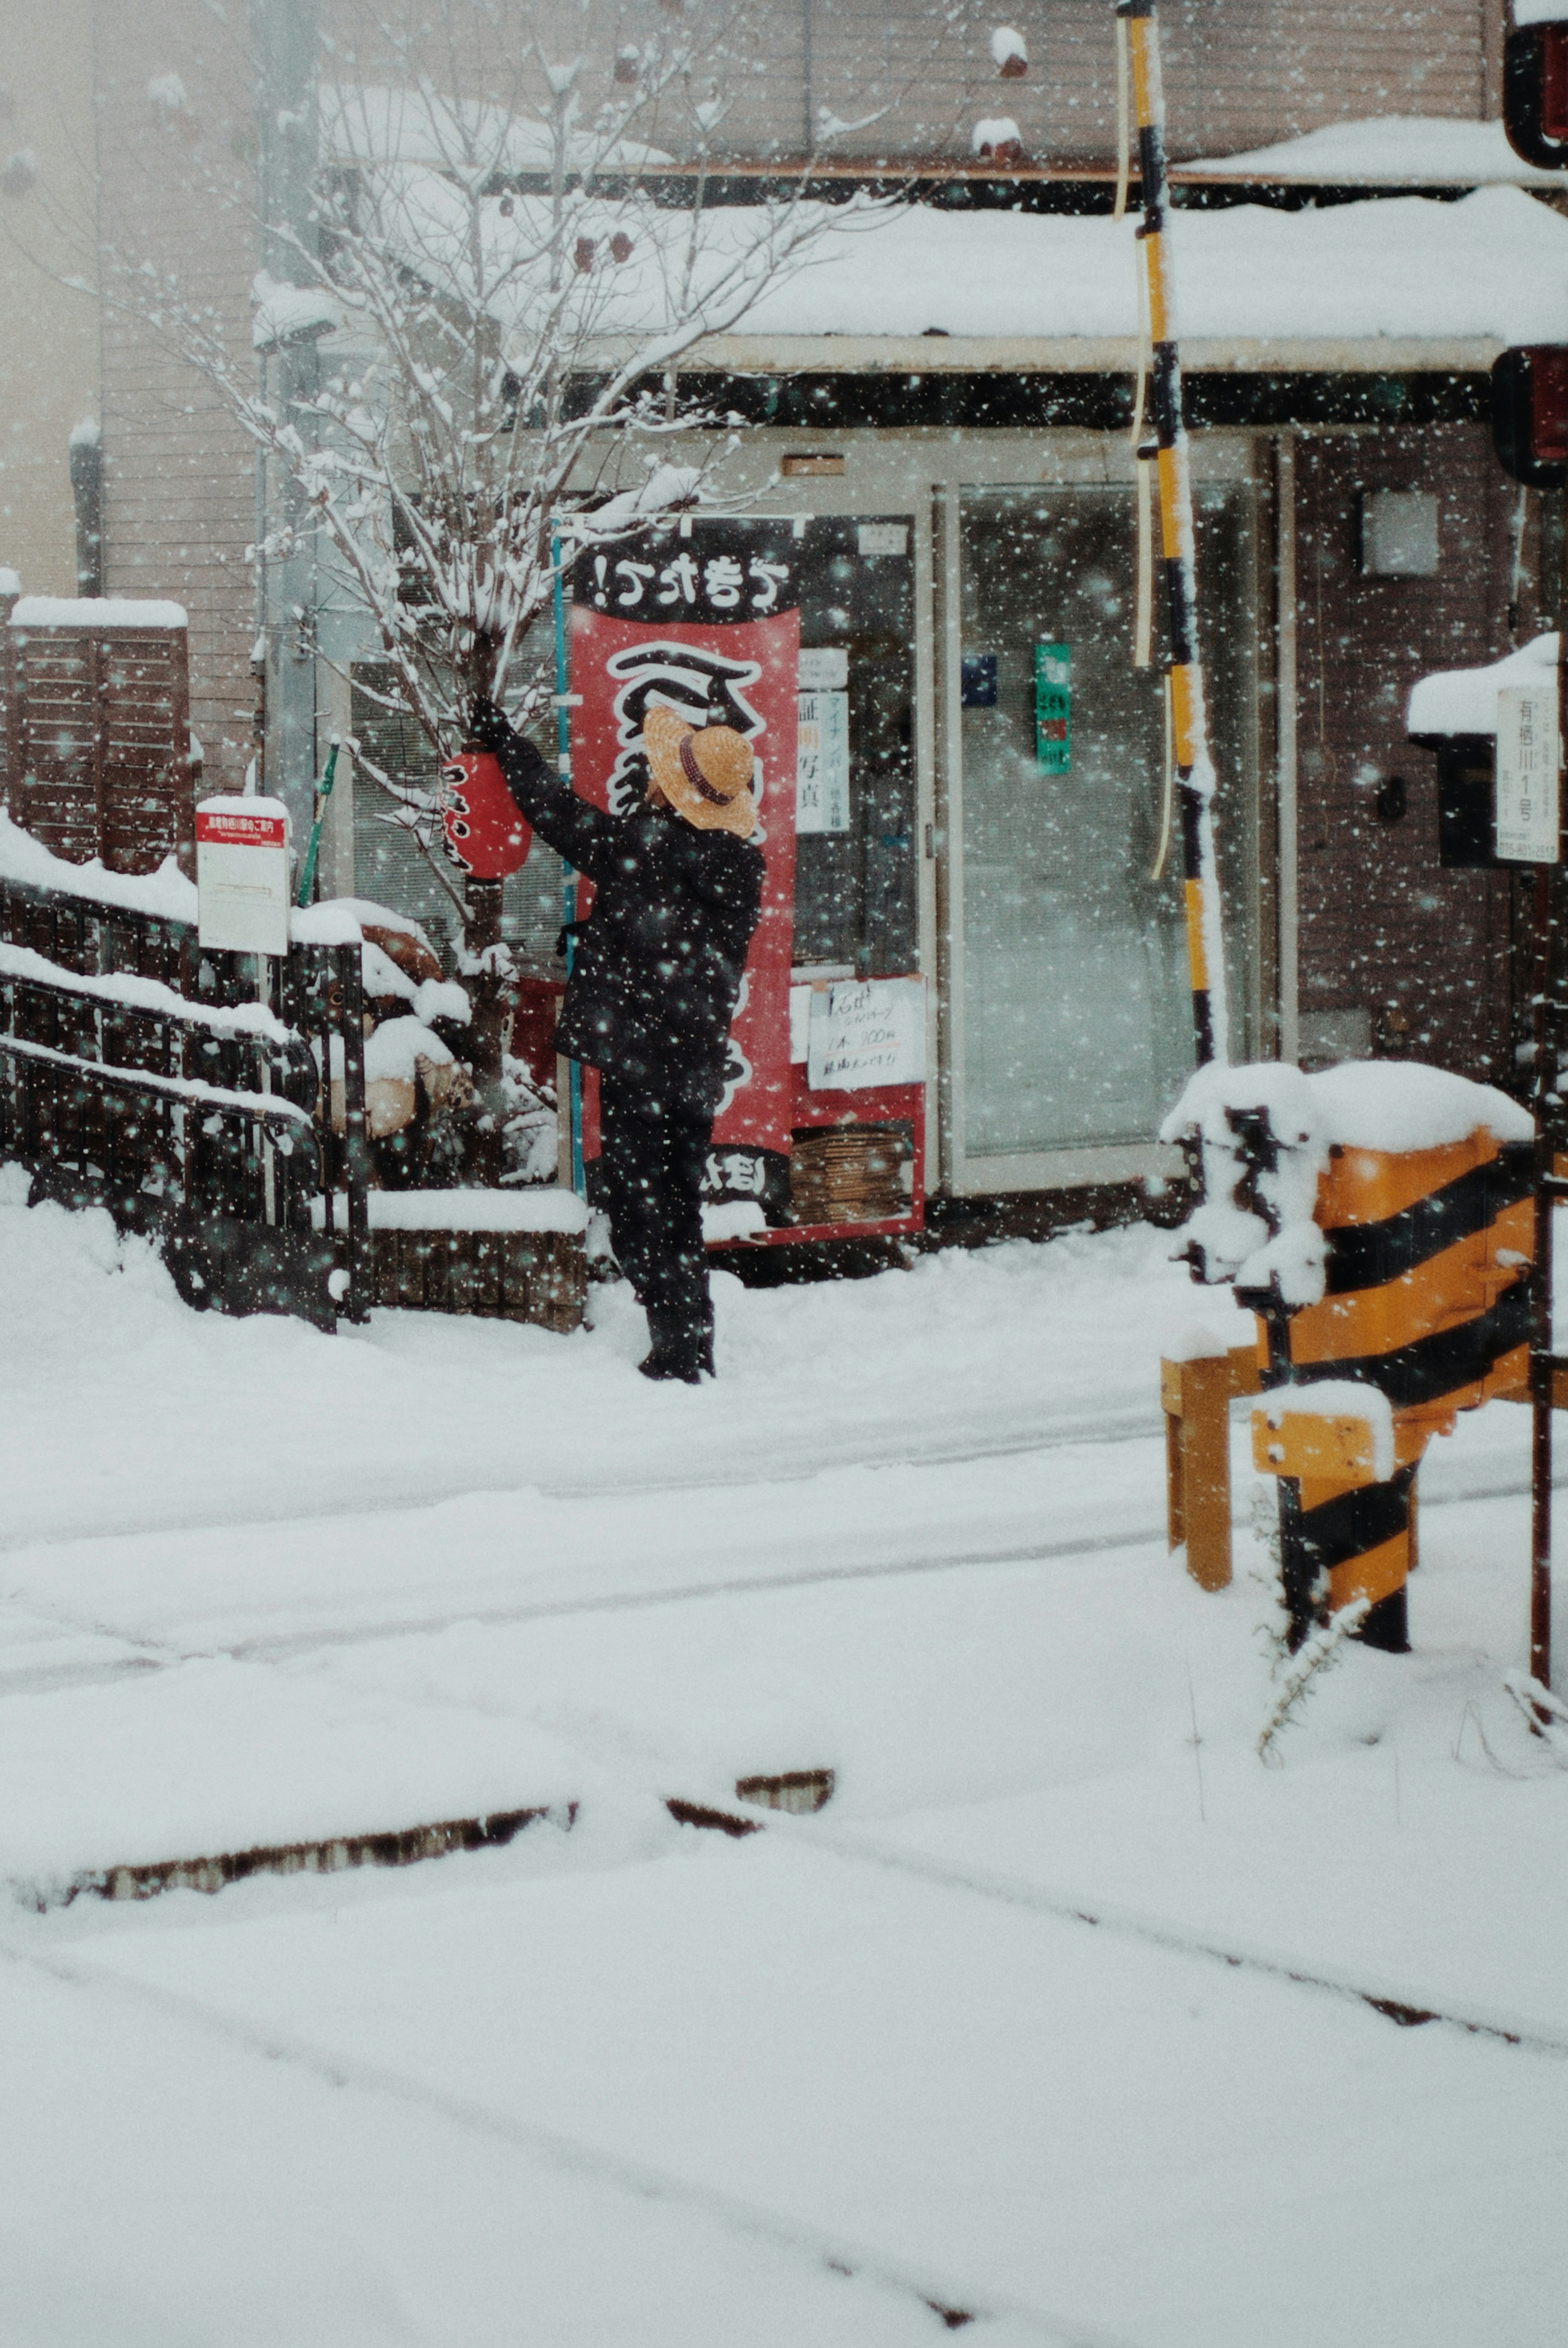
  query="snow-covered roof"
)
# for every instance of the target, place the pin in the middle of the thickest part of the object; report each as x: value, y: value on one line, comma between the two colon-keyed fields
x: 96, y: 611
x: 1490, y: 268
x: 1391, y: 150
x: 285, y: 313
x: 367, y: 124
x: 1539, y: 11
x: 1464, y: 700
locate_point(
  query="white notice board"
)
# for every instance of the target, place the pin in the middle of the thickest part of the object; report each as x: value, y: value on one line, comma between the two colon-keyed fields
x: 1529, y: 773
x: 865, y: 1033
x: 242, y: 875
x: 822, y: 763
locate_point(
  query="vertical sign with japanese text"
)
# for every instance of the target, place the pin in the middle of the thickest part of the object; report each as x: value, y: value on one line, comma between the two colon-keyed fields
x: 822, y: 763
x: 1529, y: 774
x: 703, y: 617
x: 1053, y: 708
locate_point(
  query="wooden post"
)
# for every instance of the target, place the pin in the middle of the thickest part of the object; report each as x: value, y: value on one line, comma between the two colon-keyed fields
x: 1195, y: 1397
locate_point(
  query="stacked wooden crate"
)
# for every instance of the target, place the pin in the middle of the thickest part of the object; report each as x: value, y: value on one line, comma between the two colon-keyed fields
x: 509, y: 1255
x: 850, y: 1174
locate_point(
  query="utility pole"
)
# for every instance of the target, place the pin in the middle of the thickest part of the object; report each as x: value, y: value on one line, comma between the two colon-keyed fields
x: 1195, y: 777
x: 284, y: 40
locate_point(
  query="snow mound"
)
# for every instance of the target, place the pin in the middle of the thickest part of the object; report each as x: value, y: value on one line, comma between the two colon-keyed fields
x: 1464, y: 700
x: 544, y: 1209
x: 1399, y: 1104
x: 1396, y: 150
x: 167, y: 893
x: 396, y: 1047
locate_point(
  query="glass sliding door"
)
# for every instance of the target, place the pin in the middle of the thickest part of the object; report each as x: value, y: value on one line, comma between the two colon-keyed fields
x: 1072, y: 1029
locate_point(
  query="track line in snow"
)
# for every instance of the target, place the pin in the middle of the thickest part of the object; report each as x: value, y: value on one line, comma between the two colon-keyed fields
x: 154, y: 1655
x: 954, y: 2304
x: 757, y: 1474
x: 1396, y: 2003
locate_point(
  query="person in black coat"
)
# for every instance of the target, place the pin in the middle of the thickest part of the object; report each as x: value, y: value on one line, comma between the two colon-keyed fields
x: 677, y: 891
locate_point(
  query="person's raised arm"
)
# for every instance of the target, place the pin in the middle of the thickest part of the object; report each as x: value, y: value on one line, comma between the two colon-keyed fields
x: 584, y: 835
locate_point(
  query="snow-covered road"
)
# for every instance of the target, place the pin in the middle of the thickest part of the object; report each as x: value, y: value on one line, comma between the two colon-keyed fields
x: 635, y: 2082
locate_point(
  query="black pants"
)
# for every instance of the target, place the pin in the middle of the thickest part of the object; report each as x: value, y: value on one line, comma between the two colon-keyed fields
x: 651, y: 1153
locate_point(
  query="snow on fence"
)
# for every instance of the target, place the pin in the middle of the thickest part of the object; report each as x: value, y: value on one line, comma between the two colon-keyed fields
x: 137, y: 1075
x: 159, y: 1092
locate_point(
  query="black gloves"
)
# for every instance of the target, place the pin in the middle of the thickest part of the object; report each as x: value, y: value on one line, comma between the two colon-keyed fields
x: 488, y: 728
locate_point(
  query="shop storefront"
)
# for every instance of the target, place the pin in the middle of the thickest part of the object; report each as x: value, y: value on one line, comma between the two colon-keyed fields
x: 994, y: 833
x: 980, y: 809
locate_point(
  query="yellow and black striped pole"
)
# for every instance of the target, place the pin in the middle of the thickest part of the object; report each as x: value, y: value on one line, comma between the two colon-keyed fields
x: 1195, y: 776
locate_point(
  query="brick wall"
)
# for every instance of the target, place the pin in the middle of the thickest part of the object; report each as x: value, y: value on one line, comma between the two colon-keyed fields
x: 1422, y: 952
x: 175, y: 190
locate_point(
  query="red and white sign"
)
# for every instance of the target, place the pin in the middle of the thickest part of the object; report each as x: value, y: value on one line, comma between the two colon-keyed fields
x: 242, y: 875
x: 741, y: 672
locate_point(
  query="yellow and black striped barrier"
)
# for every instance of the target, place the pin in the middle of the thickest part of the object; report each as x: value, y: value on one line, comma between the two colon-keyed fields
x: 1427, y: 1300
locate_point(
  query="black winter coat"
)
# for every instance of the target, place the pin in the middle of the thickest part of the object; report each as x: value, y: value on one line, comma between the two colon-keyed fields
x: 659, y: 964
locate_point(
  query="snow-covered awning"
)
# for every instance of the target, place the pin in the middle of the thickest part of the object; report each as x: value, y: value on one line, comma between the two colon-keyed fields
x: 1464, y: 700
x: 1394, y: 284
x: 97, y: 612
x: 1384, y: 150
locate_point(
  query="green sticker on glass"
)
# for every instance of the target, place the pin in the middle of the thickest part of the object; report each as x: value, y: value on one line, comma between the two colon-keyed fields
x: 1053, y: 708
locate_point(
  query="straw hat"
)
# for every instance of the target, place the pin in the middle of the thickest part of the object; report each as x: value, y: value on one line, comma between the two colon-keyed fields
x: 706, y: 772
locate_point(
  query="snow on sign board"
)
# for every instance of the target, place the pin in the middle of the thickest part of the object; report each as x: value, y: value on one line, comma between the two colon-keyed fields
x: 242, y: 875
x: 868, y: 1032
x: 1529, y: 784
x: 822, y: 763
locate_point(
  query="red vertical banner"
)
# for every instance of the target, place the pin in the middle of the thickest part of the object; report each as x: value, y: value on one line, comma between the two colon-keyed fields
x: 703, y: 617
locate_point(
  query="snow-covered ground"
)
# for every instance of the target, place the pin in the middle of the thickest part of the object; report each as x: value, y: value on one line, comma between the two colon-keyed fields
x: 1057, y: 2015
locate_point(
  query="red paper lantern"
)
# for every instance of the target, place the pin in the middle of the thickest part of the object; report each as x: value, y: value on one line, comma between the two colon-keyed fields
x: 486, y: 835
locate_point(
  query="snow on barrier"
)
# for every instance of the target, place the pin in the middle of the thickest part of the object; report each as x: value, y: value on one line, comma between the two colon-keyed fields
x: 1379, y: 1219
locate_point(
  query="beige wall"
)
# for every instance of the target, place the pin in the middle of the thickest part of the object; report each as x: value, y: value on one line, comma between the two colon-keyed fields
x: 48, y: 334
x: 177, y: 191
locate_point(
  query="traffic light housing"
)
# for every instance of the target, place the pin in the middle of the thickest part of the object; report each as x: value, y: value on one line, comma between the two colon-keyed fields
x: 1535, y: 95
x: 1530, y: 413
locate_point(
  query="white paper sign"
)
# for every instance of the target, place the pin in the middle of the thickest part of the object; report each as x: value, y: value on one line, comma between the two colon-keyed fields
x: 242, y: 875
x: 824, y: 668
x: 865, y: 1033
x: 883, y: 538
x: 822, y: 763
x: 1528, y: 761
x: 799, y: 1023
